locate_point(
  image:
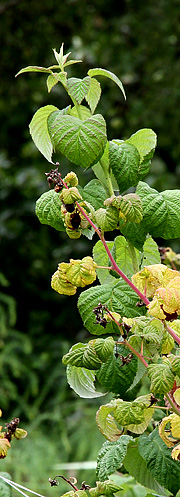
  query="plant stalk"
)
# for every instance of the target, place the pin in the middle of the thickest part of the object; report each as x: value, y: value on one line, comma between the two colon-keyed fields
x: 174, y: 407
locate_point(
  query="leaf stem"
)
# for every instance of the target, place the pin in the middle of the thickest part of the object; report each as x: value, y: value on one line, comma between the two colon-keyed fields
x: 174, y: 407
x: 133, y: 255
x: 118, y: 270
x: 114, y: 265
x: 108, y: 178
x: 172, y: 332
x: 139, y: 356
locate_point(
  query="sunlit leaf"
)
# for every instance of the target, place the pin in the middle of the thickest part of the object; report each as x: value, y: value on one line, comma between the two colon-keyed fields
x: 39, y: 130
x: 82, y: 380
x: 97, y: 71
x: 78, y: 88
x: 93, y: 94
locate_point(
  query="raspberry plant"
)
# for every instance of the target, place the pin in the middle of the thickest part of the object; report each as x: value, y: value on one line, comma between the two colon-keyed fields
x: 133, y: 310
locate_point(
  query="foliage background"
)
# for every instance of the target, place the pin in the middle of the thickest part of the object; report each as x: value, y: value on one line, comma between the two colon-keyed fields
x: 139, y: 41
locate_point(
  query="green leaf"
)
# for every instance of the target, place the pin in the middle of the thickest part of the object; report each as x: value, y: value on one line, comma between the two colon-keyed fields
x: 161, y: 211
x: 82, y: 142
x: 5, y: 489
x: 82, y: 355
x: 175, y: 362
x: 145, y: 141
x: 110, y: 457
x: 106, y: 488
x: 151, y: 329
x: 78, y: 88
x: 101, y: 258
x: 94, y: 193
x: 48, y: 210
x: 159, y: 461
x: 151, y: 253
x: 56, y: 77
x: 93, y: 94
x: 83, y: 110
x: 106, y: 423
x: 36, y: 69
x: 90, y: 355
x: 107, y: 219
x: 117, y: 378
x: 137, y: 467
x: 135, y: 233
x: 167, y: 343
x: 134, y: 414
x: 118, y: 297
x: 108, y: 74
x: 122, y: 255
x: 161, y: 376
x: 102, y: 171
x: 141, y: 369
x: 103, y: 347
x: 124, y: 160
x: 39, y: 131
x: 130, y: 206
x: 82, y: 380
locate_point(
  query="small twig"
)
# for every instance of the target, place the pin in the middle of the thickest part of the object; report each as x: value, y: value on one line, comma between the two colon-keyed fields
x: 66, y: 479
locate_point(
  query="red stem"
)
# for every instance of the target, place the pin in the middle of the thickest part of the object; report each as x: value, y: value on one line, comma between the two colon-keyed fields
x: 114, y: 265
x: 118, y: 270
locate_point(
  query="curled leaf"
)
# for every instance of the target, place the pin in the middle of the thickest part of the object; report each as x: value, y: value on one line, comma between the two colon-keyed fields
x: 70, y: 195
x: 105, y: 488
x: 130, y: 206
x: 4, y: 446
x: 81, y: 272
x: 107, y: 219
x: 20, y: 433
x: 161, y: 376
x: 61, y: 285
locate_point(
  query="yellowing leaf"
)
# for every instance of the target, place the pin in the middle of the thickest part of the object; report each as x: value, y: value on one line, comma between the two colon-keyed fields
x: 152, y: 277
x: 167, y: 298
x: 164, y: 434
x: 175, y: 425
x: 4, y: 446
x: 106, y: 422
x: 71, y: 275
x: 176, y: 396
x: 62, y: 286
x: 167, y: 343
x: 155, y: 308
x: 175, y: 325
x: 176, y: 452
x: 81, y: 272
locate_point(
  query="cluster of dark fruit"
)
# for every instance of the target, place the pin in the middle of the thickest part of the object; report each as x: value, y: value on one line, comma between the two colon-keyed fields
x: 11, y: 428
x: 54, y: 179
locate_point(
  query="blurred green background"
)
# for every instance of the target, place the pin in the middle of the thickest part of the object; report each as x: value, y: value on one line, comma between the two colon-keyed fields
x: 140, y: 42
